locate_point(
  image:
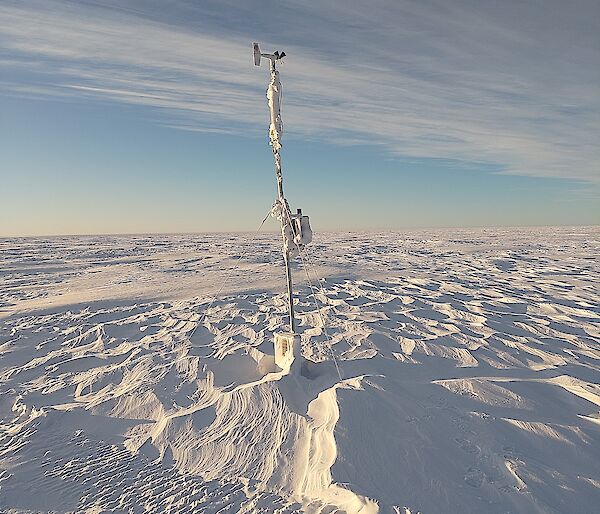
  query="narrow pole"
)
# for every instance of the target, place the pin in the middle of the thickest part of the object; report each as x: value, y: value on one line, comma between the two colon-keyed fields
x: 290, y: 294
x: 275, y: 130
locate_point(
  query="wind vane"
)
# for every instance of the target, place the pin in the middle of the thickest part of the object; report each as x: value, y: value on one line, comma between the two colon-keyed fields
x: 295, y: 228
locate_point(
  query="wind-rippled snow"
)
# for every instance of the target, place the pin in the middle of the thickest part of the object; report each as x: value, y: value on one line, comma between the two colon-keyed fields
x: 470, y: 363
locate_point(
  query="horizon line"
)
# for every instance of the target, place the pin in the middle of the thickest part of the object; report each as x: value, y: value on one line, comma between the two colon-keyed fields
x: 277, y: 232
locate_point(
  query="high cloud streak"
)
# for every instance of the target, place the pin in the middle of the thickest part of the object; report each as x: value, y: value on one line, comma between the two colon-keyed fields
x: 515, y: 86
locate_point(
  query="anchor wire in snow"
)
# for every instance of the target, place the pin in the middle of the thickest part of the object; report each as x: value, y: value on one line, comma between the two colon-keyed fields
x: 310, y: 284
x: 228, y: 275
x: 301, y: 251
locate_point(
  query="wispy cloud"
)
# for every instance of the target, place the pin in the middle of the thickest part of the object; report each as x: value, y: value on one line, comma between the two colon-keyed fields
x: 516, y: 87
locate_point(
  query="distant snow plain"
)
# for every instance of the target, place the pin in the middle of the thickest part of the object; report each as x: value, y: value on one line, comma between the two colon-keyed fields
x: 470, y: 363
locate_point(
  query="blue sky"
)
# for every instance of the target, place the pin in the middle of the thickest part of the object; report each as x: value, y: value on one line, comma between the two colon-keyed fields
x: 146, y: 116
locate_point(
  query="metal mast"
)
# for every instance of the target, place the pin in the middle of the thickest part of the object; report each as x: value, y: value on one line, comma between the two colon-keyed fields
x: 275, y: 131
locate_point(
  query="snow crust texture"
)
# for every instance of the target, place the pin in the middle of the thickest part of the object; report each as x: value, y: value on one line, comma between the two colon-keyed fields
x: 470, y: 364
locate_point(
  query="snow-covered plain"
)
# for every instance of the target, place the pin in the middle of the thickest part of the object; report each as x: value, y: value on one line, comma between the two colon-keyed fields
x: 470, y: 364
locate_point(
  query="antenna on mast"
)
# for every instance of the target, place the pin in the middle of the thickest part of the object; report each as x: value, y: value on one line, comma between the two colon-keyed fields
x: 295, y: 228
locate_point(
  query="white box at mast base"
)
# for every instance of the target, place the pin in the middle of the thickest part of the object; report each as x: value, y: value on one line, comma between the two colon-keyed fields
x: 287, y: 348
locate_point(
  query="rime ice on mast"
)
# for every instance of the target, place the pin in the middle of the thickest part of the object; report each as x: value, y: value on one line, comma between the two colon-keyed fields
x: 295, y: 228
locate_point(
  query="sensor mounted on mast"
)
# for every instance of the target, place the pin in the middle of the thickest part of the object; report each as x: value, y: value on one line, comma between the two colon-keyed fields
x: 273, y: 57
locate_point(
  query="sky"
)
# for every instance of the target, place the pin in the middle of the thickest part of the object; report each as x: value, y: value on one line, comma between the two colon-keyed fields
x: 131, y: 116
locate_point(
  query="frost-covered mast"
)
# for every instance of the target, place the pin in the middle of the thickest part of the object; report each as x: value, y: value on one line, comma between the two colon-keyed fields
x: 295, y: 228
